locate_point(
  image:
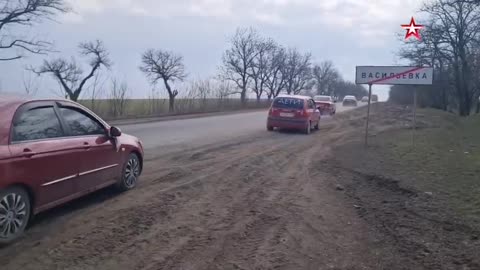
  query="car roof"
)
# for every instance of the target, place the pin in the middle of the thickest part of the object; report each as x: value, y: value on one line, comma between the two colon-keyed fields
x: 11, y: 100
x: 350, y: 96
x: 294, y: 96
x: 15, y: 101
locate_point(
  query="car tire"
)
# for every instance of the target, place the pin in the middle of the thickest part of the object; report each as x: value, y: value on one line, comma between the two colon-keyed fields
x: 269, y: 128
x: 130, y: 173
x: 317, y: 126
x: 308, y: 129
x: 15, y: 211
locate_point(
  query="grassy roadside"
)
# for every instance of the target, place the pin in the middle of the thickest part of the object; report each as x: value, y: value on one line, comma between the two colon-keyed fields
x: 444, y: 161
x: 422, y: 202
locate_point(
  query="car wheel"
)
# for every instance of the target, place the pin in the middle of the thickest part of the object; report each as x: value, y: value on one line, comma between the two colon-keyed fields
x: 269, y: 128
x: 130, y: 173
x: 308, y: 129
x: 15, y: 212
x: 317, y: 126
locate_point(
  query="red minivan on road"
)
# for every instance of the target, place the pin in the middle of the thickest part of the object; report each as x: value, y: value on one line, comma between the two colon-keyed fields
x: 293, y: 112
x: 53, y: 151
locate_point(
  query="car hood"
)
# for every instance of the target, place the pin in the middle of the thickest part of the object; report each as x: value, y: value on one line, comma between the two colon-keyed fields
x: 129, y: 139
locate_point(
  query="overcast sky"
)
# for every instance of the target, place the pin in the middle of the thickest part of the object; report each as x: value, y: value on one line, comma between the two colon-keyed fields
x: 347, y: 32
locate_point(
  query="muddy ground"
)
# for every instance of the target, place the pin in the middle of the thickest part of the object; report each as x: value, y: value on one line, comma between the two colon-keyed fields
x: 278, y: 200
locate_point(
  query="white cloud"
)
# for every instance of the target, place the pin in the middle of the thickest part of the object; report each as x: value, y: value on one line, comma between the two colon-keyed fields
x: 364, y: 19
x: 358, y: 11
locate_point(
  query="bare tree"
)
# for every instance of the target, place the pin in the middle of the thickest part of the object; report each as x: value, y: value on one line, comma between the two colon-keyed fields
x: 30, y: 86
x: 297, y: 71
x: 69, y: 74
x: 239, y: 59
x: 222, y: 88
x: 166, y: 66
x: 17, y: 13
x: 458, y: 24
x: 118, y: 97
x: 201, y: 89
x: 96, y: 90
x: 431, y: 51
x: 325, y: 75
x: 260, y: 71
x: 275, y: 82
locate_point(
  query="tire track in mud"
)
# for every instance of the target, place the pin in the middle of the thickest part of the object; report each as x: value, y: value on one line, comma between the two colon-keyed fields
x: 124, y: 216
x: 242, y: 205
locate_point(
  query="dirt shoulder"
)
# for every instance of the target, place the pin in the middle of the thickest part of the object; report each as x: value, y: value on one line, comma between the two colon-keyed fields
x: 276, y: 200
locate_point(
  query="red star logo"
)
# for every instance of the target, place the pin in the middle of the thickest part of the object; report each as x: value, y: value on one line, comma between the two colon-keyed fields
x: 413, y: 29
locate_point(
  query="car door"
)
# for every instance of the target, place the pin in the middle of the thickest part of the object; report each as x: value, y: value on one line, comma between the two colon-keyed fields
x: 100, y: 162
x: 313, y: 111
x: 42, y: 156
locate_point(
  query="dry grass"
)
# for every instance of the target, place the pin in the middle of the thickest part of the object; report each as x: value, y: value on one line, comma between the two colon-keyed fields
x: 444, y: 161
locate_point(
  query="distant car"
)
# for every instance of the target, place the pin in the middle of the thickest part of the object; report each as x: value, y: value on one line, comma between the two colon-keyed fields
x: 325, y: 104
x: 350, y: 101
x: 365, y: 99
x: 53, y: 151
x: 374, y: 98
x: 293, y: 112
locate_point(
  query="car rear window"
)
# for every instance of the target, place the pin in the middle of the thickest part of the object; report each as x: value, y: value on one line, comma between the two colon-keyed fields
x: 322, y: 98
x: 287, y: 102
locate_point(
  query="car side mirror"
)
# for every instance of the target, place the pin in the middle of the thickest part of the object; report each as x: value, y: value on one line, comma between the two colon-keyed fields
x: 115, y: 132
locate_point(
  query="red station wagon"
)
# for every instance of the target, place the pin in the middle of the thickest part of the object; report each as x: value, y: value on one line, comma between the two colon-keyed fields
x: 293, y: 112
x: 53, y: 151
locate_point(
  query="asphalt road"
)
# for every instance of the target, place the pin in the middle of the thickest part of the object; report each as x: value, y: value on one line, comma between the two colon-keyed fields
x: 203, y: 130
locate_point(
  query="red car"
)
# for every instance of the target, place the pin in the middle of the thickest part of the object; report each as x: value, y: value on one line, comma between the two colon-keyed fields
x: 326, y: 104
x: 53, y: 151
x: 293, y: 112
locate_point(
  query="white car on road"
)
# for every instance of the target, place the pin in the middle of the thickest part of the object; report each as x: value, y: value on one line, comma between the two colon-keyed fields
x: 349, y: 101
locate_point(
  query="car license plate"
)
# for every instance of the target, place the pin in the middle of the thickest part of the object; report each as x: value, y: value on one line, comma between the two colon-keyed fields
x: 286, y: 114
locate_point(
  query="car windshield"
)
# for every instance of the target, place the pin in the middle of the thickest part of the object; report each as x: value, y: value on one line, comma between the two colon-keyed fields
x: 322, y: 98
x: 288, y: 103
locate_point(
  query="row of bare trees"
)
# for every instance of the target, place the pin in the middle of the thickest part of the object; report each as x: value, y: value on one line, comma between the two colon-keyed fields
x: 252, y: 65
x: 262, y: 66
x: 258, y: 64
x: 451, y: 44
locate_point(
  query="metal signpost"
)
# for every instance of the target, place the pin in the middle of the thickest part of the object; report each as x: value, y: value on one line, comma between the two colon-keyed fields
x: 392, y: 75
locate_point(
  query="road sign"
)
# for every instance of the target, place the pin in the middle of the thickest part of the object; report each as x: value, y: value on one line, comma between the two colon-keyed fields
x: 394, y: 75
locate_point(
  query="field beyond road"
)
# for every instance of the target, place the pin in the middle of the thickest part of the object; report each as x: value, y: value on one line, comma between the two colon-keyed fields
x: 281, y: 200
